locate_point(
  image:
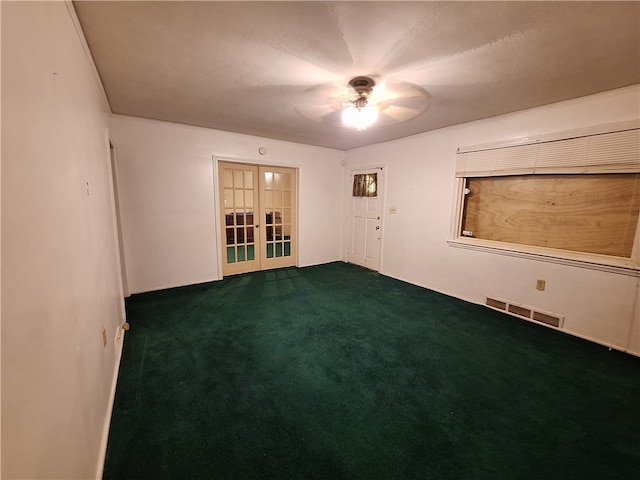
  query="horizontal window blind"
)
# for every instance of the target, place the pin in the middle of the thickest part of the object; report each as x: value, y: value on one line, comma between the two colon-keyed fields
x: 613, y: 152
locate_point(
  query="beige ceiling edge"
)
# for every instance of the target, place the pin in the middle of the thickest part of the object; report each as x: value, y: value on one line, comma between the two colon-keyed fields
x: 87, y: 51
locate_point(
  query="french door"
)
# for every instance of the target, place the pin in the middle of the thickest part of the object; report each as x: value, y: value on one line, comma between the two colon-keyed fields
x: 258, y: 216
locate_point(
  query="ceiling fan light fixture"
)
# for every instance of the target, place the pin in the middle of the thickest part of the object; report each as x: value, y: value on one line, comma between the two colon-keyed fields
x: 358, y: 113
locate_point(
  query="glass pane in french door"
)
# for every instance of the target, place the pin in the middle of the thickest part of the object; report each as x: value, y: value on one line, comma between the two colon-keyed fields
x: 239, y: 192
x: 278, y: 204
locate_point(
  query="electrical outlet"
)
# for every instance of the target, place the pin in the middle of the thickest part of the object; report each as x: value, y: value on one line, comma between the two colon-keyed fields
x: 104, y: 337
x: 541, y: 284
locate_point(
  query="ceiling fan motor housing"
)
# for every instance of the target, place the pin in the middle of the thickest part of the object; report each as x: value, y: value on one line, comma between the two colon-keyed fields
x: 362, y: 85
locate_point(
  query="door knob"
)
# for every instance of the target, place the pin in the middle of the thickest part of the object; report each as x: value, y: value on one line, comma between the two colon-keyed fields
x: 377, y: 227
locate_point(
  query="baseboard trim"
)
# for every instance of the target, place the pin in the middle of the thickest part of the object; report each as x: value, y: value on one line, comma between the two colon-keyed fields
x: 102, y: 454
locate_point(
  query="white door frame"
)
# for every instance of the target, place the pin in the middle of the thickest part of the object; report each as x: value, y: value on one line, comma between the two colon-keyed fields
x: 216, y: 202
x: 381, y: 170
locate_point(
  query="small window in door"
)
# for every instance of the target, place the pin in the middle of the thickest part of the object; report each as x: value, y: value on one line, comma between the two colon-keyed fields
x: 365, y: 185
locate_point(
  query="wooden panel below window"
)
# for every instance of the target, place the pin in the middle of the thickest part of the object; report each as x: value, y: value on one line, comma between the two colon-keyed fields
x: 585, y: 213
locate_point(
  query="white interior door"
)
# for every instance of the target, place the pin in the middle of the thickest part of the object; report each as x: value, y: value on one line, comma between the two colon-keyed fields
x: 239, y: 211
x: 278, y: 217
x: 365, y: 229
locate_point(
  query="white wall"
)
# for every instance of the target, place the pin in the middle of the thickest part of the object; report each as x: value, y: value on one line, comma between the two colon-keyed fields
x: 60, y: 276
x: 167, y: 197
x: 166, y: 190
x: 420, y: 184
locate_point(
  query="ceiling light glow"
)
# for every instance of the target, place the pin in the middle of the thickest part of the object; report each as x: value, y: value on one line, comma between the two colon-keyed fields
x: 359, y: 117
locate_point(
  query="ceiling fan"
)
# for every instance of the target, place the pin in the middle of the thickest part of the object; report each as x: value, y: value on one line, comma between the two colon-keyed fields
x: 362, y: 102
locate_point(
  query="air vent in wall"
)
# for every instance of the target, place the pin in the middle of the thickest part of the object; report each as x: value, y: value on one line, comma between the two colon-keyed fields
x: 526, y: 312
x: 496, y: 303
x: 548, y: 319
x: 518, y: 310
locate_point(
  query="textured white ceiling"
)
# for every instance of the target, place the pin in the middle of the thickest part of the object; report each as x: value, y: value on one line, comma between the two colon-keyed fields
x: 279, y: 69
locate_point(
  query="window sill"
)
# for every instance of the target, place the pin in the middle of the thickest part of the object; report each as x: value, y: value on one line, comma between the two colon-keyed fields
x: 603, y: 263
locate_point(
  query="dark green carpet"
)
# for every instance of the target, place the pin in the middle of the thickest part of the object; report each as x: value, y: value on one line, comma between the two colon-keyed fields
x: 336, y: 372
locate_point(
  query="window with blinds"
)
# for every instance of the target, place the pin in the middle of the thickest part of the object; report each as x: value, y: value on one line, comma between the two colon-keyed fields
x: 615, y: 152
x: 578, y: 194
